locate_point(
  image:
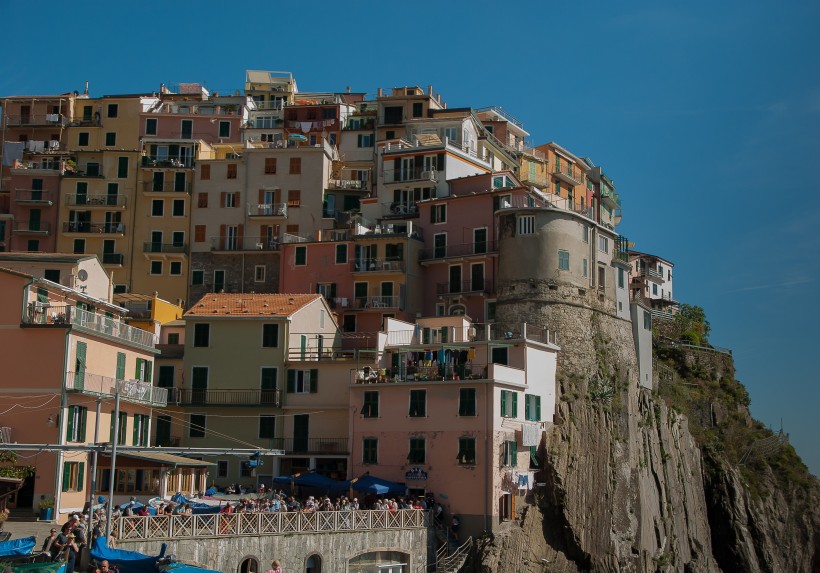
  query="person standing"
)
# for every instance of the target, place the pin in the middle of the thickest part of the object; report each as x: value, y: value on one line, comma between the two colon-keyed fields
x: 275, y: 566
x: 72, y: 551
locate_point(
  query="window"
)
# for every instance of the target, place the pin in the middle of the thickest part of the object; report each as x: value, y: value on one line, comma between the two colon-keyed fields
x: 365, y: 140
x: 82, y: 139
x: 301, y: 256
x: 229, y: 200
x: 270, y: 165
x: 156, y: 267
x: 222, y: 468
x: 151, y: 126
x: 526, y: 224
x: 52, y: 275
x: 654, y: 289
x: 647, y: 320
x: 563, y: 260
x: 122, y: 168
x: 231, y: 170
x: 303, y: 381
x: 33, y: 245
x: 586, y: 267
x: 140, y: 430
x: 603, y: 244
x: 196, y: 426
x: 73, y: 476
x: 466, y: 451
x: 166, y: 373
x: 173, y: 338
x: 418, y: 109
x: 451, y: 133
x: 267, y: 426
x: 601, y: 276
x: 198, y: 276
x: 499, y: 354
x: 179, y: 208
x: 175, y: 268
x: 370, y: 405
x: 418, y: 403
x: 121, y: 426
x: 295, y: 165
x: 370, y: 451
x: 110, y: 138
x: 294, y: 198
x: 157, y: 208
x: 224, y: 129
x: 510, y: 453
x: 467, y: 402
x: 199, y: 233
x: 270, y: 335
x: 113, y: 109
x: 76, y: 417
x: 202, y: 335
x: 259, y: 273
x: 202, y: 200
x: 620, y: 278
x: 509, y: 404
x: 341, y: 254
x: 532, y: 407
x: 585, y: 233
x: 490, y: 311
x: 438, y: 213
x: 205, y: 172
x: 417, y: 451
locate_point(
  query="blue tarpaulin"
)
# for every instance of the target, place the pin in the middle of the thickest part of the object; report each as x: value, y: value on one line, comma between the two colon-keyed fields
x: 17, y: 547
x: 130, y: 561
x: 379, y: 486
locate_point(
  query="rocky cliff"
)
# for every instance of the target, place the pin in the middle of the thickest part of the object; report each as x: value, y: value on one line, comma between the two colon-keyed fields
x: 642, y: 481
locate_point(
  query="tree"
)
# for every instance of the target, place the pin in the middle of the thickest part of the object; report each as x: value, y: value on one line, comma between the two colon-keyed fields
x: 13, y: 471
x: 692, y: 324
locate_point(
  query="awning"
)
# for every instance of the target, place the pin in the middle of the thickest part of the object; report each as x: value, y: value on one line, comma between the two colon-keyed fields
x: 164, y: 459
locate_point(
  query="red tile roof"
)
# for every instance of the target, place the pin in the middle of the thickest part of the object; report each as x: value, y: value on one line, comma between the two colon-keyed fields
x: 221, y: 304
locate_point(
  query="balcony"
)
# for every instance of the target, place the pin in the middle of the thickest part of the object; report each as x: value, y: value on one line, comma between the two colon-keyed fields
x: 135, y: 391
x: 228, y: 244
x: 272, y: 210
x: 396, y: 210
x: 96, y: 201
x: 652, y: 274
x: 410, y: 175
x: 460, y: 250
x: 35, y: 120
x: 165, y: 162
x: 31, y: 228
x: 88, y: 228
x: 166, y: 187
x: 168, y: 248
x: 85, y: 171
x: 234, y: 397
x: 377, y: 265
x: 376, y: 302
x: 465, y: 287
x: 568, y: 173
x: 33, y: 197
x: 308, y: 445
x: 47, y: 314
x: 113, y: 259
x: 622, y: 249
x: 347, y: 185
x: 610, y: 198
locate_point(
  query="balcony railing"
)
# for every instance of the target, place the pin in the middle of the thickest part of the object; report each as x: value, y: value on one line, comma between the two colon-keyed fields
x: 377, y: 265
x: 347, y: 184
x: 610, y: 197
x: 31, y: 227
x: 162, y: 161
x: 33, y: 196
x: 413, y: 174
x: 131, y: 390
x: 309, y: 445
x: 246, y: 244
x: 459, y: 250
x: 166, y: 187
x: 568, y: 173
x: 172, y: 248
x: 48, y: 314
x: 47, y: 119
x: 113, y: 258
x: 5, y: 435
x: 267, y: 210
x: 375, y: 302
x: 234, y: 397
x: 85, y: 171
x: 257, y: 524
x: 81, y: 199
x: 651, y: 273
x: 88, y: 227
x: 465, y: 287
x: 622, y: 249
x: 400, y: 210
x: 476, y: 332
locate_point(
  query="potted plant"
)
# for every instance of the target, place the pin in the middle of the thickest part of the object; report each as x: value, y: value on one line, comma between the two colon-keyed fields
x: 46, y: 507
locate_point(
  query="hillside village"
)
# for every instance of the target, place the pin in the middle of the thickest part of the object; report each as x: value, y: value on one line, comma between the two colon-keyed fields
x: 342, y: 280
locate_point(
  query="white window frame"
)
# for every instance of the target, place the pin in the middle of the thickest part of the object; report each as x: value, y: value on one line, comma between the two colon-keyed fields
x: 525, y: 224
x: 257, y: 276
x: 603, y: 244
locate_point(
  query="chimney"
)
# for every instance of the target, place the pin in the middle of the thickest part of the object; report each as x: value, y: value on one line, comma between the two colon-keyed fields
x: 348, y: 89
x: 86, y: 87
x: 430, y: 90
x: 379, y: 92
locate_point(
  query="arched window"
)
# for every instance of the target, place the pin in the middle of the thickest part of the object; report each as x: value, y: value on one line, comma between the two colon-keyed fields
x: 249, y: 565
x: 457, y: 310
x: 313, y: 564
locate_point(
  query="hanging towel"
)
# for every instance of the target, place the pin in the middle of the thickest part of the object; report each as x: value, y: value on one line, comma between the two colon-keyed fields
x: 306, y: 125
x: 530, y: 435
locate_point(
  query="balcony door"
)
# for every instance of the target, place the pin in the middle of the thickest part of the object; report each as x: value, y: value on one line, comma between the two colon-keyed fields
x: 187, y: 129
x: 199, y: 384
x: 34, y: 220
x: 36, y: 189
x: 301, y: 431
x: 163, y: 430
x: 156, y: 241
x: 455, y: 279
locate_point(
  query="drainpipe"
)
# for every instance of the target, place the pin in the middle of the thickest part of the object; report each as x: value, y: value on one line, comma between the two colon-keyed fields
x: 489, y: 462
x: 61, y: 430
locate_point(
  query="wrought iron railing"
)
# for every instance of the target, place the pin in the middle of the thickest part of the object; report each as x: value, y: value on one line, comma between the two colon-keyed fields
x: 233, y: 397
x: 459, y: 250
x: 46, y: 313
x: 131, y: 390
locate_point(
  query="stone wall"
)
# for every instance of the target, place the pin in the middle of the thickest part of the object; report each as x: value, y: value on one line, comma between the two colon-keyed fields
x: 239, y: 270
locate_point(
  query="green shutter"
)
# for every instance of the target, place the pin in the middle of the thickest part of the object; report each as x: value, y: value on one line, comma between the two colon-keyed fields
x: 514, y: 448
x: 113, y: 417
x: 148, y: 365
x: 314, y: 380
x: 136, y: 430
x: 138, y: 369
x: 444, y: 335
x: 514, y: 404
x: 503, y: 402
x: 120, y: 365
x: 66, y: 475
x: 69, y: 433
x: 81, y: 476
x: 291, y: 381
x: 538, y: 408
x: 526, y: 406
x: 83, y: 416
x: 79, y: 370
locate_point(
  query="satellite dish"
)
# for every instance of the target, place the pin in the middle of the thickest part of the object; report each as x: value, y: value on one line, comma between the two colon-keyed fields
x: 82, y: 275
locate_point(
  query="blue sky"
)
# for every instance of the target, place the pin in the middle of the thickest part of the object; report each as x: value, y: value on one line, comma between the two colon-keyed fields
x: 706, y: 115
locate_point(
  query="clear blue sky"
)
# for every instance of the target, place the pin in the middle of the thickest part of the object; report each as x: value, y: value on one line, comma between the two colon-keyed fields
x: 706, y: 114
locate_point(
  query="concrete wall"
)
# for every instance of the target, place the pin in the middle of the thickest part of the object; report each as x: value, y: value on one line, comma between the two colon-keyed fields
x: 335, y: 549
x: 643, y: 342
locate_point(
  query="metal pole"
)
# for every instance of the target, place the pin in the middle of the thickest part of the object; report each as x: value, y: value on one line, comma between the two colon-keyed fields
x: 114, y: 440
x: 94, y: 470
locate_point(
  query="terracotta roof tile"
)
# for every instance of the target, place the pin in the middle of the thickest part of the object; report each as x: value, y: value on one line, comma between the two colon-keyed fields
x: 222, y: 304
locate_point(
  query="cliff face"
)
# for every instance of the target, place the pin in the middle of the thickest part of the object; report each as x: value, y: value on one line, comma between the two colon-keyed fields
x: 627, y: 488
